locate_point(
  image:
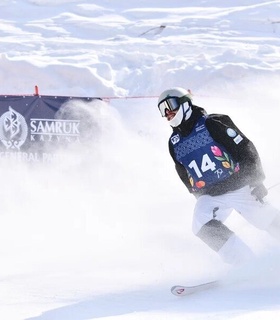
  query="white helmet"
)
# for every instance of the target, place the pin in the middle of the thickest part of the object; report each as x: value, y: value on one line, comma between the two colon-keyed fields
x: 174, y: 99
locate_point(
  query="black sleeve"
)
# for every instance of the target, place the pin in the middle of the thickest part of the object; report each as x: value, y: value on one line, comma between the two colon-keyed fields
x: 239, y: 146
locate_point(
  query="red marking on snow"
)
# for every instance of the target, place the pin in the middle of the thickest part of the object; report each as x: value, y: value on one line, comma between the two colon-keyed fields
x: 180, y: 291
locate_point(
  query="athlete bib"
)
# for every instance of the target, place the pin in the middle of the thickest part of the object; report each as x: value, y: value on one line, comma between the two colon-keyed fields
x: 206, y: 161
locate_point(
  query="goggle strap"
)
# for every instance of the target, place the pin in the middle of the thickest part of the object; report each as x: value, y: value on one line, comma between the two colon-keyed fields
x: 185, y: 99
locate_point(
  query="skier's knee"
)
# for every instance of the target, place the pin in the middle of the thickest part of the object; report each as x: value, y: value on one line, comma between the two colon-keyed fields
x: 215, y: 234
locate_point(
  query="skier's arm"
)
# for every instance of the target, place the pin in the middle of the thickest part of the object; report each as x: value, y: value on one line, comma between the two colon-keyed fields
x: 238, y: 145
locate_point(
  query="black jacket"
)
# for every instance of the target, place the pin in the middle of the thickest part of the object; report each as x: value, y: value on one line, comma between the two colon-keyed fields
x: 245, y: 153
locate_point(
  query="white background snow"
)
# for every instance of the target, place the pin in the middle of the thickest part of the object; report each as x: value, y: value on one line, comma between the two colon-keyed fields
x: 106, y: 236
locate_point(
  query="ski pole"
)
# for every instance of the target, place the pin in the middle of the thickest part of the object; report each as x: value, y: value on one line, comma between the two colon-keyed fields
x: 273, y: 186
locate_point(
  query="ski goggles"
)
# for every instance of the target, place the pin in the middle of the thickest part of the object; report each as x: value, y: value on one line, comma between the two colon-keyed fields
x: 171, y: 104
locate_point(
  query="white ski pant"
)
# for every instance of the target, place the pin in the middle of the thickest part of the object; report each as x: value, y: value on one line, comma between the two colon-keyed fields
x: 210, y: 213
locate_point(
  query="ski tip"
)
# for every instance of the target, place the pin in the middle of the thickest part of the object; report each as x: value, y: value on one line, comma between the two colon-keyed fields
x: 188, y: 290
x: 178, y: 290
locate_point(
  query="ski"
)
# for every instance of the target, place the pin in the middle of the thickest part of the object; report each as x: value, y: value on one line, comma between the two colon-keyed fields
x: 180, y: 291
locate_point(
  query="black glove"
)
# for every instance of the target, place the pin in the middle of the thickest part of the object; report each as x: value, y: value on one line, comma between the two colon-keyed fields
x: 259, y: 192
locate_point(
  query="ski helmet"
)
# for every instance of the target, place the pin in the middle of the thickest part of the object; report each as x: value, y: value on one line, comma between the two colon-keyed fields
x: 176, y: 99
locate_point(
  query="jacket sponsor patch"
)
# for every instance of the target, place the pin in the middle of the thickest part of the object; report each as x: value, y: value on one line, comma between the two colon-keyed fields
x: 175, y: 139
x: 199, y: 128
x: 238, y: 139
x: 231, y: 133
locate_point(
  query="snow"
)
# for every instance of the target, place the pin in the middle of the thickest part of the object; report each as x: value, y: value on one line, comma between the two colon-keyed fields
x: 106, y: 235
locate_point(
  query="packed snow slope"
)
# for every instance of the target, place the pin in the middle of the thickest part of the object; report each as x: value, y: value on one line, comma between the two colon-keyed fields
x: 106, y: 234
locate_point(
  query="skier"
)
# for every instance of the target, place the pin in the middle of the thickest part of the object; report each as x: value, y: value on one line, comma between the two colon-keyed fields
x: 221, y: 167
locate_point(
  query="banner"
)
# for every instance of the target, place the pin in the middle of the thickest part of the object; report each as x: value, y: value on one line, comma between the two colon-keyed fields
x: 33, y: 127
